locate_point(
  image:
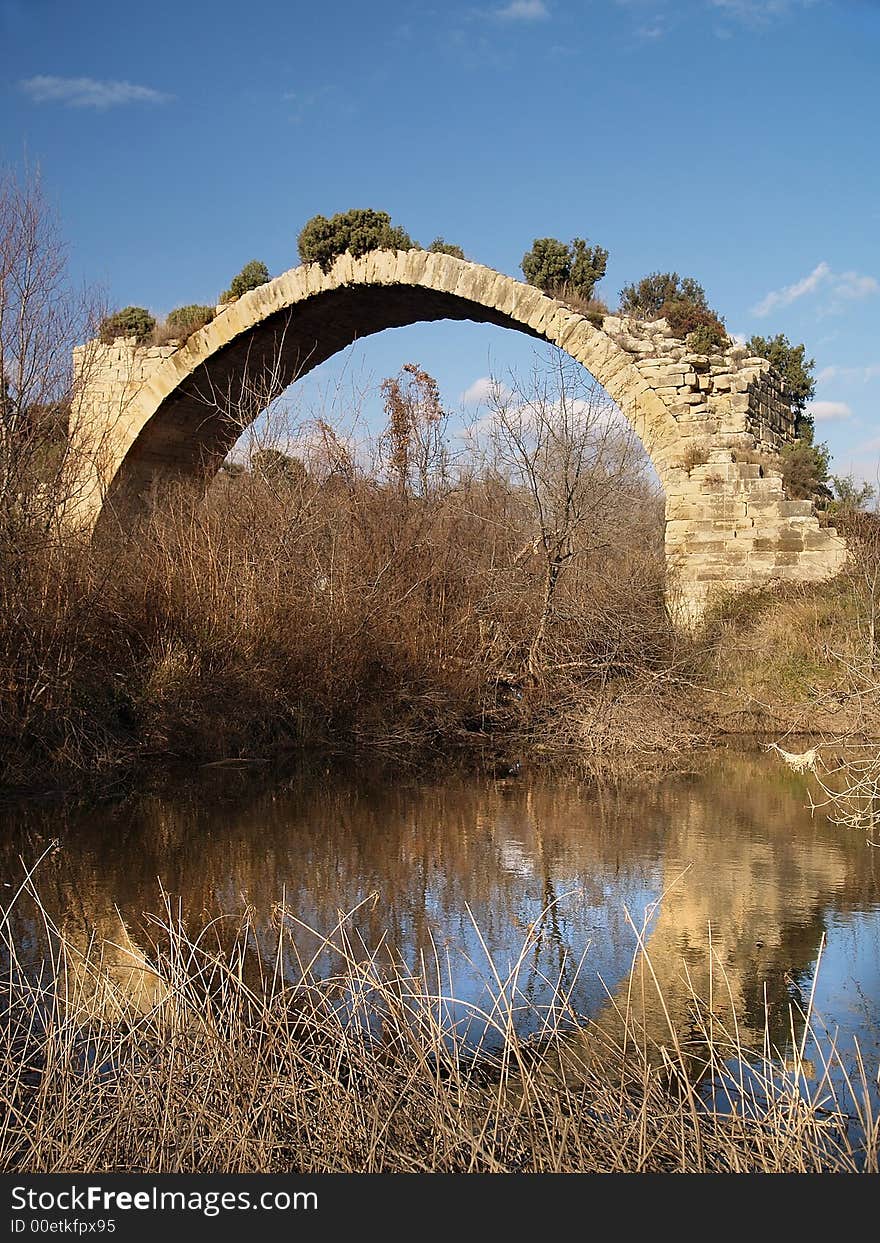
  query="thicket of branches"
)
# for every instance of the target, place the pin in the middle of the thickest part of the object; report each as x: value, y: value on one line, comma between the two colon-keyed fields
x: 329, y: 594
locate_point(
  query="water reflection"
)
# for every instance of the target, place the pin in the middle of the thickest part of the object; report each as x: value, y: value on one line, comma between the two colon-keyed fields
x: 732, y: 846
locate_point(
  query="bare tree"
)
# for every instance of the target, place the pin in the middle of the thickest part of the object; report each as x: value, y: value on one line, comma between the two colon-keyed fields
x: 414, y: 440
x: 42, y: 317
x: 560, y: 442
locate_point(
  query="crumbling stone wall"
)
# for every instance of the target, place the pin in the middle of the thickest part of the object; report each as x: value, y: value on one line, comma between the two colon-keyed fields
x: 729, y: 523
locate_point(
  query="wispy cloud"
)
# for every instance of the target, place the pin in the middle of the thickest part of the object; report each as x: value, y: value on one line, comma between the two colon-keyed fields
x: 855, y: 285
x: 790, y: 293
x: 657, y: 18
x: 303, y: 103
x: 825, y: 411
x: 523, y: 11
x: 757, y: 12
x: 89, y: 92
x: 842, y: 287
x: 651, y: 15
x: 861, y: 375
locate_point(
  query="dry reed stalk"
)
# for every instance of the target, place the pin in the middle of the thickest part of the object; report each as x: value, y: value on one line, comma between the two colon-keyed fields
x: 238, y: 1064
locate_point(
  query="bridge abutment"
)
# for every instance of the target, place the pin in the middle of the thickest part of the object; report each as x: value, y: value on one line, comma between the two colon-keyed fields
x: 729, y: 523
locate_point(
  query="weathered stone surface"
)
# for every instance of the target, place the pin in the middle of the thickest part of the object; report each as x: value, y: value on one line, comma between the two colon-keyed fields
x: 713, y: 425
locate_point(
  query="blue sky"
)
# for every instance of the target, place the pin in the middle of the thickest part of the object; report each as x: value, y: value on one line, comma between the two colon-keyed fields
x: 732, y: 140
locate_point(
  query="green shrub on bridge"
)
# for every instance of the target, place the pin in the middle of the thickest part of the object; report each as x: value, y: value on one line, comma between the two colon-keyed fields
x: 251, y: 276
x: 357, y: 231
x: 440, y: 246
x: 648, y: 298
x: 183, y: 321
x: 682, y: 302
x: 131, y: 321
x: 707, y: 338
x: 563, y: 269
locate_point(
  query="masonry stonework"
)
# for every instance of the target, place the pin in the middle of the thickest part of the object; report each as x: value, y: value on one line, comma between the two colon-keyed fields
x: 729, y: 523
x: 713, y: 425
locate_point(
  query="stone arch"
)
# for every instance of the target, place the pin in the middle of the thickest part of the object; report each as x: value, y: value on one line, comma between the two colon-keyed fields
x: 153, y: 415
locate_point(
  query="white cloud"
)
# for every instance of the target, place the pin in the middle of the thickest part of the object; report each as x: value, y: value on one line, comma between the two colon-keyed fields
x: 843, y: 287
x: 790, y: 293
x: 825, y: 411
x: 855, y: 285
x: 524, y: 11
x: 756, y: 12
x: 851, y: 374
x: 482, y: 391
x: 89, y: 92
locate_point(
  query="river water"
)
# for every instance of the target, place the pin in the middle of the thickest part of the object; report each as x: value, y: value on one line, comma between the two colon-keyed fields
x: 553, y: 874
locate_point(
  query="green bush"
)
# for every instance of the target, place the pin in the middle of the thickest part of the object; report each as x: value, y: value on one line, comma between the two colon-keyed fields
x: 681, y: 301
x: 649, y: 297
x: 357, y: 231
x: 707, y: 338
x: 795, y: 369
x: 132, y: 321
x: 440, y: 246
x: 805, y: 469
x: 183, y: 321
x: 251, y: 276
x: 559, y: 269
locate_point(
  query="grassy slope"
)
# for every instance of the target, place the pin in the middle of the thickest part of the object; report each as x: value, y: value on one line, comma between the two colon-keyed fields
x: 795, y: 660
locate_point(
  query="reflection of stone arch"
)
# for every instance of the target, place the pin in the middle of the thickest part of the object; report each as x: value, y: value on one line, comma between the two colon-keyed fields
x: 155, y: 415
x: 108, y: 970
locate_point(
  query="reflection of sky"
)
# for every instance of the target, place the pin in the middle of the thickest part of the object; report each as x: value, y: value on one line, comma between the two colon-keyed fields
x: 540, y: 947
x: 844, y: 984
x: 847, y: 995
x: 479, y: 869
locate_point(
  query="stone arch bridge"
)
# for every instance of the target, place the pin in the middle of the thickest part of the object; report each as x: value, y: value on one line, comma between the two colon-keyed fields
x: 713, y: 426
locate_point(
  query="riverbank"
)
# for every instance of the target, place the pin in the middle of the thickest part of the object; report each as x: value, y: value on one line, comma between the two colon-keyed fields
x: 197, y: 1058
x: 312, y: 619
x: 781, y: 666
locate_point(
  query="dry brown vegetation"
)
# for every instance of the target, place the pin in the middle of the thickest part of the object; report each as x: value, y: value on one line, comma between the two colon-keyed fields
x: 387, y: 595
x: 205, y: 1057
x: 380, y: 596
x: 392, y: 595
x: 804, y: 658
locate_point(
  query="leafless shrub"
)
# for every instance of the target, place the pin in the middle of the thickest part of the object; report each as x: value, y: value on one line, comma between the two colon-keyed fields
x: 41, y: 319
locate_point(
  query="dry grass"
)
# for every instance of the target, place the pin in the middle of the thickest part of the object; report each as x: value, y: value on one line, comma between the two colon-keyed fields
x: 801, y: 658
x: 322, y: 609
x: 207, y: 1056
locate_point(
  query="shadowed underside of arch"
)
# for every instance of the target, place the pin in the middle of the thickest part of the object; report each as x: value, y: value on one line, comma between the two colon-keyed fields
x: 149, y: 421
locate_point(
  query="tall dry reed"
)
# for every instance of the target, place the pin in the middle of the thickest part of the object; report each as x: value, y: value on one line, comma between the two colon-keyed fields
x: 199, y: 1054
x: 323, y: 606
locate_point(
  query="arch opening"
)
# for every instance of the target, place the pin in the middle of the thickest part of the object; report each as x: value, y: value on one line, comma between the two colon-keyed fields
x: 712, y: 428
